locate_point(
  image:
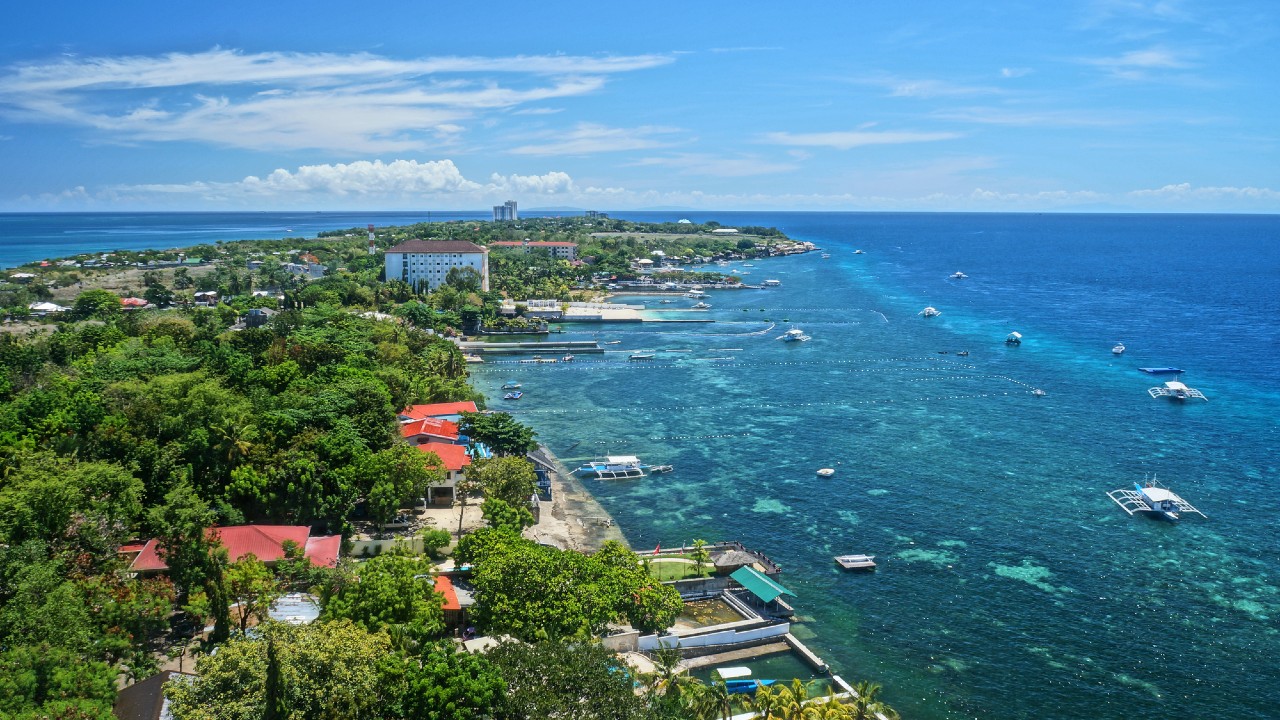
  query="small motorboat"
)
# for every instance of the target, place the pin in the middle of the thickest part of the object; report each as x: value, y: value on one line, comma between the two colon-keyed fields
x: 511, y: 385
x: 826, y: 472
x: 661, y: 468
x: 613, y: 342
x: 857, y: 252
x: 641, y: 356
x: 826, y: 255
x: 930, y: 311
x: 702, y: 306
x: 1039, y: 393
x: 963, y: 353
x: 1014, y: 338
x: 567, y: 358
x: 1118, y: 349
x: 957, y: 275
x: 513, y: 395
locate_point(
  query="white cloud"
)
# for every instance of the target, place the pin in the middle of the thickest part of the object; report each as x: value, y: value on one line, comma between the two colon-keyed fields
x: 1140, y: 64
x: 589, y: 138
x: 356, y: 103
x: 923, y: 87
x: 1015, y: 72
x: 1186, y: 191
x: 855, y: 138
x: 1033, y: 118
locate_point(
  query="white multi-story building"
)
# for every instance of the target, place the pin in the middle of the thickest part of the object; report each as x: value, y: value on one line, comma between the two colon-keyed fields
x: 426, y: 263
x: 505, y: 211
x: 562, y: 250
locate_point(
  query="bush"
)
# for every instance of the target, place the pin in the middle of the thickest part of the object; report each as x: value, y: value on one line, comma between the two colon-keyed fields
x: 434, y: 540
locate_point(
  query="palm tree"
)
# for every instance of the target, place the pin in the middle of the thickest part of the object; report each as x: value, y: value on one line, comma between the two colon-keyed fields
x: 865, y: 704
x: 699, y: 555
x: 767, y: 702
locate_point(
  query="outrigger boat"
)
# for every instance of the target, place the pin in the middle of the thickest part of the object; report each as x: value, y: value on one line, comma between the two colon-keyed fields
x: 511, y: 385
x: 857, y: 562
x: 1118, y: 349
x: 1175, y: 390
x: 930, y: 311
x: 513, y: 395
x: 794, y: 335
x: 614, y: 467
x: 1152, y: 497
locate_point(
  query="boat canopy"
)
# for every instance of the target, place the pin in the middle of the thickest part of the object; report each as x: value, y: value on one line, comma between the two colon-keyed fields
x: 1176, y: 386
x: 622, y: 459
x: 1158, y: 494
x: 1015, y: 335
x: 730, y: 673
x: 1161, y: 371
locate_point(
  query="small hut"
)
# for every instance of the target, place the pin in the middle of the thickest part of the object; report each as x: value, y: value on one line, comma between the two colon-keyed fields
x: 730, y: 560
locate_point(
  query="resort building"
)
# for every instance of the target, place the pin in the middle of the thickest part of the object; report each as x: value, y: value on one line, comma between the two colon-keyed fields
x: 441, y: 411
x: 505, y: 211
x: 266, y: 542
x: 455, y: 460
x: 426, y: 263
x: 561, y: 250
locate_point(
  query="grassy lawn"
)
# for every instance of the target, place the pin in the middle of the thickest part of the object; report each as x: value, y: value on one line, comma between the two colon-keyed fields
x: 666, y: 571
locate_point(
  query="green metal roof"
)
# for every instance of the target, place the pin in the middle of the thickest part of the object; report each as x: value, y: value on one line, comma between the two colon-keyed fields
x: 759, y: 584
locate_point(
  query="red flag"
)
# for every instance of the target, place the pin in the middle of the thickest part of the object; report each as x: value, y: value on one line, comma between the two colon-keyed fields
x: 655, y: 550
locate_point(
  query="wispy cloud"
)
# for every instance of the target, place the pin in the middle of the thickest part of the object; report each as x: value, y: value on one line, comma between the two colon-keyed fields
x: 354, y: 103
x: 717, y: 166
x: 746, y: 48
x: 1011, y: 72
x: 1140, y: 64
x: 855, y: 138
x: 923, y: 87
x: 1020, y: 117
x: 590, y: 138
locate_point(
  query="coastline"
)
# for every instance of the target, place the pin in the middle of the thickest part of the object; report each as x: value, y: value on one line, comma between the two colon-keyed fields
x: 576, y: 521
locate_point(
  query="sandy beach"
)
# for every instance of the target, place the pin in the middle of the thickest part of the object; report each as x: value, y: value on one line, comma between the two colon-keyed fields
x: 575, y: 521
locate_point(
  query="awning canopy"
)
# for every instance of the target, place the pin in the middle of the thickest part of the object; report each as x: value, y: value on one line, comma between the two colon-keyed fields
x: 759, y: 584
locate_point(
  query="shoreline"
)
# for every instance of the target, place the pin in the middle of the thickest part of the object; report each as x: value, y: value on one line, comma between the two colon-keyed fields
x: 576, y: 520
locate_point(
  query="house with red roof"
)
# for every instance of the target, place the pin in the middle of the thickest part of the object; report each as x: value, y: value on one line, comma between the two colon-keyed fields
x: 441, y: 411
x: 455, y: 460
x: 430, y: 429
x: 266, y: 542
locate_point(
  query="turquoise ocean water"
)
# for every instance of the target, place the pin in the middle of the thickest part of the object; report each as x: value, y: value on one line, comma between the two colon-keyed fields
x: 1009, y: 584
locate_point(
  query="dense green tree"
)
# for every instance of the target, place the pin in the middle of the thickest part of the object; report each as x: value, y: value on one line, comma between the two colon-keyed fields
x: 500, y: 515
x: 251, y: 586
x: 551, y: 679
x: 507, y: 478
x: 96, y: 304
x: 444, y: 683
x: 326, y: 670
x: 502, y: 433
x: 43, y: 681
x: 390, y: 592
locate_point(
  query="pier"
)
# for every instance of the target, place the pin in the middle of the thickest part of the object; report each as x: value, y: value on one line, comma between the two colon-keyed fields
x: 567, y: 347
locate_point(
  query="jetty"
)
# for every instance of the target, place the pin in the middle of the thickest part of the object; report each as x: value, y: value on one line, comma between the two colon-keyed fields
x: 552, y: 347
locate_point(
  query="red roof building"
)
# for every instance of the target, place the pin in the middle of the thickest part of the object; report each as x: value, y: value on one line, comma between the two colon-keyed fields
x: 266, y: 542
x: 444, y: 411
x: 455, y: 460
x: 429, y: 430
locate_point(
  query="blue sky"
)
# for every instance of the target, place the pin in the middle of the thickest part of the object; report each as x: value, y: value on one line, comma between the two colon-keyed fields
x: 1091, y: 105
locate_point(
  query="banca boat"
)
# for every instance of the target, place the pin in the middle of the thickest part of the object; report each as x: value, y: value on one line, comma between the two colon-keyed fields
x: 613, y: 467
x: 794, y: 335
x: 1153, y: 498
x: 856, y: 562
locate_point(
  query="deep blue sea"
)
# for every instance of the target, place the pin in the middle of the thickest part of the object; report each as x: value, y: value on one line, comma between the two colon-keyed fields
x: 1009, y: 584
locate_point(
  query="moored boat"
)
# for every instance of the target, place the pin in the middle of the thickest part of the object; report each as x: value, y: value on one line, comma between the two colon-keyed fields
x: 826, y: 472
x: 513, y: 395
x: 1117, y: 349
x: 794, y: 335
x: 511, y: 385
x: 930, y: 311
x: 1013, y: 338
x: 857, y: 562
x: 957, y: 275
x: 1153, y: 498
x: 613, y: 467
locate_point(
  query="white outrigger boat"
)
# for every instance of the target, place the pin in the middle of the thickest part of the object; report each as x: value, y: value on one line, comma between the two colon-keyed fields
x: 794, y: 335
x: 614, y: 467
x: 1175, y: 390
x: 1118, y: 349
x: 857, y: 562
x: 957, y: 275
x: 771, y: 283
x: 1152, y: 497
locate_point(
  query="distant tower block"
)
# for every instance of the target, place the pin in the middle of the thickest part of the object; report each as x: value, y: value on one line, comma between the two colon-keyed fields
x: 373, y: 249
x: 505, y: 211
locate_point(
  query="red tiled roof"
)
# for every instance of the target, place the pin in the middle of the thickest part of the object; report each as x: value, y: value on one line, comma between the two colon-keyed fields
x: 266, y: 542
x: 436, y: 246
x: 430, y: 426
x: 133, y: 302
x: 323, y: 551
x: 454, y: 457
x: 444, y: 586
x: 540, y: 243
x: 418, y: 412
